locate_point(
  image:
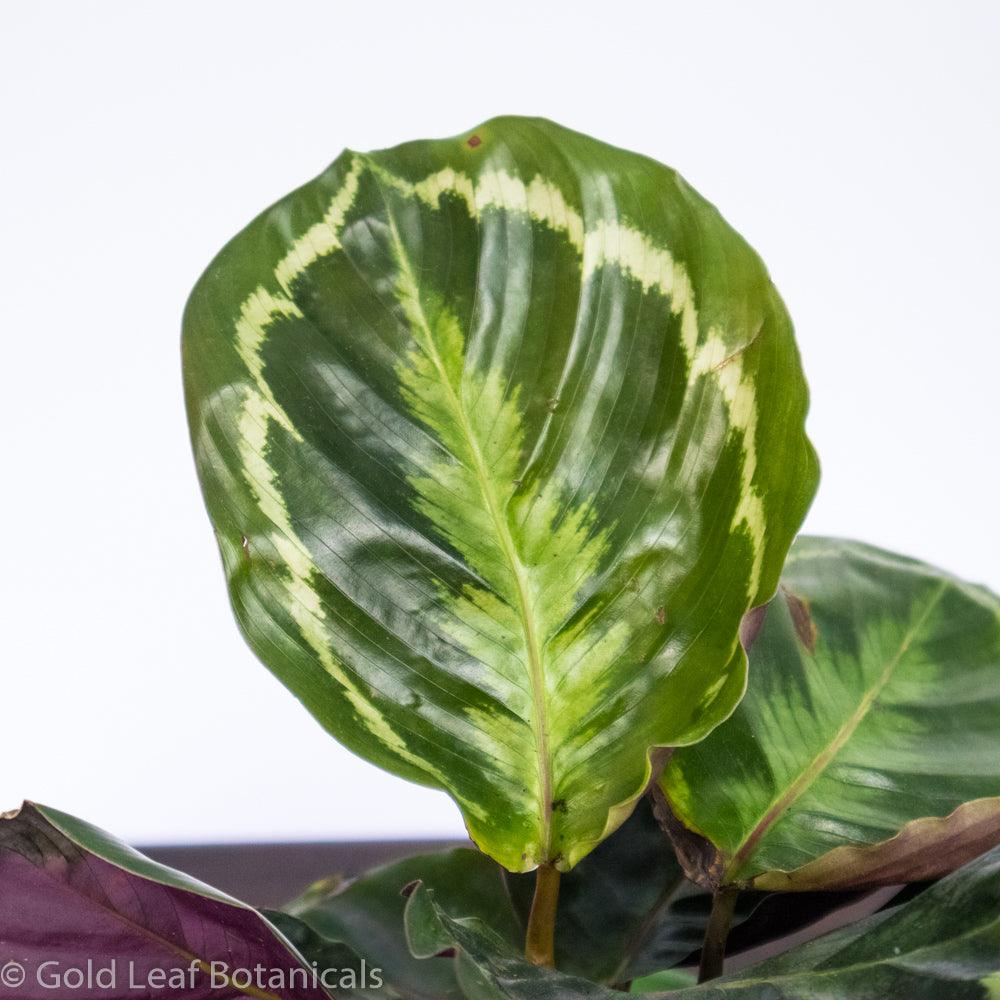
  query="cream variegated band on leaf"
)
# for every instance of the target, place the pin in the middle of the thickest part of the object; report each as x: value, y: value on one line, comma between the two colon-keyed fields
x: 501, y: 436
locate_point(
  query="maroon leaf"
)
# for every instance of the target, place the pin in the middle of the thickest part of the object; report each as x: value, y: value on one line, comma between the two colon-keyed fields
x: 84, y: 916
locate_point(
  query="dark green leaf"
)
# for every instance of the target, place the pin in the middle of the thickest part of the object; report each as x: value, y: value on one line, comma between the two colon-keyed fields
x: 625, y: 911
x: 366, y: 915
x: 487, y: 967
x: 326, y: 956
x: 943, y: 945
x: 501, y: 436
x: 669, y: 979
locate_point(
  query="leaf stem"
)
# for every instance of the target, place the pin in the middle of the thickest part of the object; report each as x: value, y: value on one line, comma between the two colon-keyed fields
x: 539, y: 942
x: 713, y: 950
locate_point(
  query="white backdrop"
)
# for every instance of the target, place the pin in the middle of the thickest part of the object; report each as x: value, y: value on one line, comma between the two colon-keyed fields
x: 854, y: 144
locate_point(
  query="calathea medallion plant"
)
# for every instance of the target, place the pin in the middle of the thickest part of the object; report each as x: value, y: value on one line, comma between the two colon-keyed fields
x: 503, y: 441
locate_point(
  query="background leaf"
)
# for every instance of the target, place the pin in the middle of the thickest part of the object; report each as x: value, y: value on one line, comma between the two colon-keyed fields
x: 325, y: 954
x: 625, y: 911
x: 487, y: 967
x: 366, y: 915
x: 501, y: 436
x: 944, y: 943
x: 70, y: 893
x: 614, y: 909
x: 626, y: 900
x: 669, y: 979
x: 867, y: 749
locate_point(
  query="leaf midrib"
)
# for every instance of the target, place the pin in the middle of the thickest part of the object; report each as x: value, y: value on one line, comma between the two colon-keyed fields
x: 536, y: 670
x: 823, y: 759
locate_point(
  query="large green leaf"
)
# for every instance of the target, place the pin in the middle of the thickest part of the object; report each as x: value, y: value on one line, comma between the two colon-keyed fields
x: 867, y: 749
x: 943, y: 945
x: 501, y: 436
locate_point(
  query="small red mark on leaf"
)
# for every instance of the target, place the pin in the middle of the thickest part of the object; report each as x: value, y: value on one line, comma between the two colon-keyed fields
x: 474, y: 141
x: 802, y: 619
x: 753, y: 622
x: 446, y: 953
x: 409, y: 888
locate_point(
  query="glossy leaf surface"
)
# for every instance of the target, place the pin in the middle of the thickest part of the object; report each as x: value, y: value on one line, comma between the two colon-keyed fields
x: 501, y: 435
x: 867, y: 749
x: 943, y: 944
x: 70, y: 893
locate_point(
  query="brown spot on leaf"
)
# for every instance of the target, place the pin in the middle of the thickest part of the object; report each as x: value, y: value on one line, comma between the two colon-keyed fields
x: 658, y: 758
x: 805, y: 627
x: 474, y: 141
x: 922, y: 850
x: 409, y: 889
x: 559, y: 806
x: 661, y: 615
x: 699, y: 858
x: 753, y: 622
